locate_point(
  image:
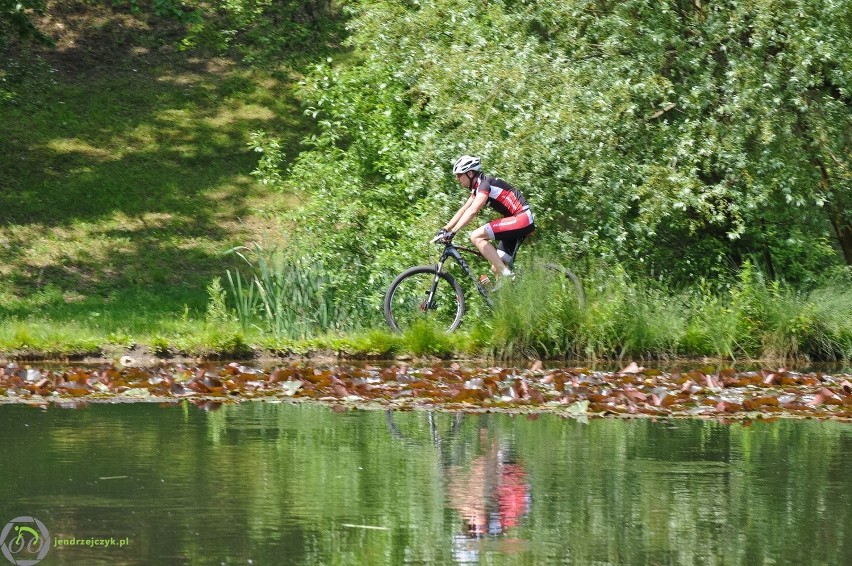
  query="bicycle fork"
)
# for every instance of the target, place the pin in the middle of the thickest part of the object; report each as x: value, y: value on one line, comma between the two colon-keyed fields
x: 429, y: 303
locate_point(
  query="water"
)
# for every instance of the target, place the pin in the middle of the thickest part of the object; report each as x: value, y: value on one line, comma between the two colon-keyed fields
x: 261, y: 483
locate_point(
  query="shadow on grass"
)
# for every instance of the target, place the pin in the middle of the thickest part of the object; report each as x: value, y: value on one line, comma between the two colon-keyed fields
x: 126, y: 174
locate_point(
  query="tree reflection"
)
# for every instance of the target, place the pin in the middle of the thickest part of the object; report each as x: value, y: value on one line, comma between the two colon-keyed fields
x: 285, y: 484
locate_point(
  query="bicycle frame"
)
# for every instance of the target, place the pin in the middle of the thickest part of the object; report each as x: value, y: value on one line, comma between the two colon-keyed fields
x: 452, y: 251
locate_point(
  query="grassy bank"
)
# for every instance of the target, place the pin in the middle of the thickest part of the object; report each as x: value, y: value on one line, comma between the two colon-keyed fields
x: 126, y: 176
x: 533, y: 319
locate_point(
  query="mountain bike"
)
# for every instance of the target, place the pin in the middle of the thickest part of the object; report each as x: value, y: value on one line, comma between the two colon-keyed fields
x: 429, y: 292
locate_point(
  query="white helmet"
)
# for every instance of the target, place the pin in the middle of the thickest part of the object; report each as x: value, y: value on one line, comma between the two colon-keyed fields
x: 466, y: 163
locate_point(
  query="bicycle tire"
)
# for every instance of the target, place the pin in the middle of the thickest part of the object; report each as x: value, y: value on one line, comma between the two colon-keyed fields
x: 575, y: 282
x: 403, y: 304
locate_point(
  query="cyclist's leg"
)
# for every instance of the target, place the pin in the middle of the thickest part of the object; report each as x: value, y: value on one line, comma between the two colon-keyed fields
x: 507, y: 249
x: 481, y: 238
x: 510, y: 231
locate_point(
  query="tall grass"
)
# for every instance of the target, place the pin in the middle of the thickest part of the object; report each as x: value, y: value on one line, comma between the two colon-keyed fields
x: 425, y: 338
x: 753, y: 319
x: 538, y: 312
x: 765, y: 319
x: 285, y: 296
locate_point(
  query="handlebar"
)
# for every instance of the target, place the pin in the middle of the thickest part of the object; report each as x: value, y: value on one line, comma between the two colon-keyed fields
x: 449, y: 243
x: 443, y: 237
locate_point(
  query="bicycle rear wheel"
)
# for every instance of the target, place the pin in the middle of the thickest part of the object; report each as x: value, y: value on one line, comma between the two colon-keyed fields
x: 407, y: 301
x: 570, y: 282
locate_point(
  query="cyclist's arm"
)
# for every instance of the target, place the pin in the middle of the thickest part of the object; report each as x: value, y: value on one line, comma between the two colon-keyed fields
x: 468, y: 211
x: 452, y: 223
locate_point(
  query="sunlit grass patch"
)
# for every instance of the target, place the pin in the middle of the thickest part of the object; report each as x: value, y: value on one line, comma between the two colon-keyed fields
x: 425, y: 338
x: 46, y: 337
x: 120, y: 184
x: 75, y: 146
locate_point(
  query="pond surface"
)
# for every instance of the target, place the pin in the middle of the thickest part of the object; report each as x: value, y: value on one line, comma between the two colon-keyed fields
x: 280, y: 483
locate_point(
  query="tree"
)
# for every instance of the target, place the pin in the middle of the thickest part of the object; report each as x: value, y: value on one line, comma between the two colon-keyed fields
x: 680, y: 138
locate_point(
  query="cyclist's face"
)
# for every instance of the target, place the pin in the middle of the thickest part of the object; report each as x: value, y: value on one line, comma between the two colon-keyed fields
x: 464, y: 179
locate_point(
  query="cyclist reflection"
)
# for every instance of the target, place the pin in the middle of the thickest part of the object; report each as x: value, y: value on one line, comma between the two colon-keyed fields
x: 492, y: 493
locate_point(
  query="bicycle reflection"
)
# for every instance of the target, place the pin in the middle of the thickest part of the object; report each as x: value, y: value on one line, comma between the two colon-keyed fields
x: 490, y: 491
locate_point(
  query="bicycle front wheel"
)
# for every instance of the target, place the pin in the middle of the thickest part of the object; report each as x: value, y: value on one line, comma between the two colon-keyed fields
x: 422, y: 294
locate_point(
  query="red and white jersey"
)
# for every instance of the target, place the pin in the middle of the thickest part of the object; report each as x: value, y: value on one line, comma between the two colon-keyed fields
x: 502, y: 197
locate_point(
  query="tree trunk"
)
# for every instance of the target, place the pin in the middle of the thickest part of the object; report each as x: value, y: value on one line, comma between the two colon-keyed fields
x: 842, y: 226
x: 843, y: 230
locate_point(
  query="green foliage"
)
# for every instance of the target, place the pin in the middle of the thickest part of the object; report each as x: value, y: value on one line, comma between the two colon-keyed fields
x: 265, y: 32
x: 680, y: 139
x: 217, y: 308
x: 426, y: 339
x: 286, y: 296
x: 268, y: 171
x: 180, y: 10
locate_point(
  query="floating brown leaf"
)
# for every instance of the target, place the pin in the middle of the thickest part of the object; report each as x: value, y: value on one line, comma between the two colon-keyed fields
x: 728, y: 407
x: 179, y: 390
x: 727, y: 373
x: 632, y: 367
x: 339, y: 388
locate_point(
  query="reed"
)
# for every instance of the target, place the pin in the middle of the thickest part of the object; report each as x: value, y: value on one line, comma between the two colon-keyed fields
x: 284, y: 296
x: 753, y: 318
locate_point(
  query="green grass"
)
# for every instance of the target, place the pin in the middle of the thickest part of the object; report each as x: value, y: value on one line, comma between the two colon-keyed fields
x: 626, y: 319
x: 126, y: 175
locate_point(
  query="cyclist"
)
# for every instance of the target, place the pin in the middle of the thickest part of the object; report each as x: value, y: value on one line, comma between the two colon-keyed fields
x: 516, y: 222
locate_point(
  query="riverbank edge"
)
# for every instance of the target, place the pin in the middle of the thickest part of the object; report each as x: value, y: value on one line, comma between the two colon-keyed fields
x: 206, y: 402
x: 143, y: 356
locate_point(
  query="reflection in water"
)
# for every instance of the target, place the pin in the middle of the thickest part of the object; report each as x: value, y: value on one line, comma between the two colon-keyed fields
x: 301, y: 484
x: 490, y: 493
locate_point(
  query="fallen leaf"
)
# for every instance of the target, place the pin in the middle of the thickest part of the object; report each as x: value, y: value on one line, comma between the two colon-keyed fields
x: 632, y: 367
x: 338, y: 387
x: 728, y: 407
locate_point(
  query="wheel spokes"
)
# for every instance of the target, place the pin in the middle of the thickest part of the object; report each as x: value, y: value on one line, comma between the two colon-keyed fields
x: 410, y: 301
